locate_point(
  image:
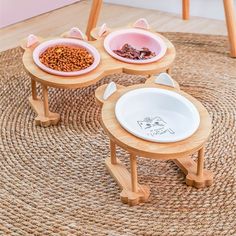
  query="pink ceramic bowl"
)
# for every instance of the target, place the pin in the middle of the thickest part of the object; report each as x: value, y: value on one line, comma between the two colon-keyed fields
x: 69, y: 42
x: 138, y: 39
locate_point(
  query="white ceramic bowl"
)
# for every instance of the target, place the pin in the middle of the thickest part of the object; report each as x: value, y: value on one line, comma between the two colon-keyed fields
x: 69, y: 42
x: 137, y: 38
x: 157, y: 115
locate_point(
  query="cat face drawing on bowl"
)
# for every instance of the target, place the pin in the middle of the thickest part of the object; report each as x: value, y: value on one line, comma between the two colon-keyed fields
x: 154, y: 126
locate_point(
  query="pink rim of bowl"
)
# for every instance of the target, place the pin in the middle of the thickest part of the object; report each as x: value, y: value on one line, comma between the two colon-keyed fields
x: 69, y: 42
x: 137, y: 38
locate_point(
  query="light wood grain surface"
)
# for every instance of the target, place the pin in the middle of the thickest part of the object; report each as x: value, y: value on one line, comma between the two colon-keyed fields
x: 61, y: 20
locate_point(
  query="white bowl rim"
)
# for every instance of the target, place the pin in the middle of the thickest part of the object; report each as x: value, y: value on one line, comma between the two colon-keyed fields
x: 176, y: 95
x: 139, y: 31
x: 60, y: 41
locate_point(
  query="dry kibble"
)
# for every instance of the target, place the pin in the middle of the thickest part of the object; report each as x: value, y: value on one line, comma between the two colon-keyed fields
x: 66, y: 58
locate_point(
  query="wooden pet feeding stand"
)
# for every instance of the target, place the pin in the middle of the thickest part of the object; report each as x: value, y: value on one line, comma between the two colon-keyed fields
x: 180, y: 152
x: 108, y: 65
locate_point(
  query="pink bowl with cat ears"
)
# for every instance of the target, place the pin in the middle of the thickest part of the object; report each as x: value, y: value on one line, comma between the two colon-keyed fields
x: 137, y: 38
x: 66, y: 42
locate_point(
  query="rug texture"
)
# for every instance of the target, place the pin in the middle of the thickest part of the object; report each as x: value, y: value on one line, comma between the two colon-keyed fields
x: 53, y: 180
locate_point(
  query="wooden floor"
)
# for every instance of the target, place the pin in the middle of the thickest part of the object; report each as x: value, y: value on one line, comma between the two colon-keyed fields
x: 58, y: 21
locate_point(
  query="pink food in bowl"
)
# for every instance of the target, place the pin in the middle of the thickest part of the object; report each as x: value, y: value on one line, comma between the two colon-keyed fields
x: 138, y: 39
x: 66, y: 42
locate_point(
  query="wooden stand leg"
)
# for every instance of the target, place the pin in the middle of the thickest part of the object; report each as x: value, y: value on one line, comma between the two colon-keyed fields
x: 195, y: 173
x: 185, y: 9
x: 132, y: 192
x: 113, y: 152
x: 41, y: 108
x: 33, y: 89
x: 134, y: 174
x: 45, y: 100
x: 93, y: 16
x: 231, y: 25
x: 200, y: 162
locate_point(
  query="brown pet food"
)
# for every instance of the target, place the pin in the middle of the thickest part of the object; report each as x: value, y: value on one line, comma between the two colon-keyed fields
x: 127, y: 51
x: 66, y: 58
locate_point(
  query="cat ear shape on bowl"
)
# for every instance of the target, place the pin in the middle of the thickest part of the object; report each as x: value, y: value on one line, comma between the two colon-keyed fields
x: 102, y: 30
x: 76, y: 33
x: 31, y: 40
x: 110, y: 89
x: 165, y: 79
x: 141, y: 23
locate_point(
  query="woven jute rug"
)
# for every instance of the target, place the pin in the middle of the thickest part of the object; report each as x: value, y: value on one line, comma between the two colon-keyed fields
x: 53, y: 180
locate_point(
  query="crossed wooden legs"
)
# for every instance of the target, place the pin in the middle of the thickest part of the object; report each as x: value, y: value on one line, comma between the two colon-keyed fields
x: 133, y: 193
x: 41, y: 107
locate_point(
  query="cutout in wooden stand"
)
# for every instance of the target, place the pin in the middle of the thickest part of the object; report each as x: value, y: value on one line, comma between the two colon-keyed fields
x: 180, y: 152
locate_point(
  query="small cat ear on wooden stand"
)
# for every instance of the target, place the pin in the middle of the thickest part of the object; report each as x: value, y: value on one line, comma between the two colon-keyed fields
x: 75, y: 33
x: 103, y: 30
x: 141, y: 23
x: 110, y: 89
x: 165, y: 79
x: 31, y: 40
x: 105, y: 91
x: 100, y: 32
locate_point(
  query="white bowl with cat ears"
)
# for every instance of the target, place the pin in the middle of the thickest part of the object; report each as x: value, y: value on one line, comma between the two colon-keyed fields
x: 157, y: 115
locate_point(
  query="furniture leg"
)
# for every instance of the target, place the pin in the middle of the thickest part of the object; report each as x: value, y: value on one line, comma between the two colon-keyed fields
x: 113, y: 152
x: 185, y: 9
x: 134, y: 174
x: 93, y: 16
x: 231, y: 25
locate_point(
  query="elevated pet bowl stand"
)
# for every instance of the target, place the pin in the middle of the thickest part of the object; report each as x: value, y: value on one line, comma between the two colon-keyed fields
x: 107, y: 66
x: 132, y: 192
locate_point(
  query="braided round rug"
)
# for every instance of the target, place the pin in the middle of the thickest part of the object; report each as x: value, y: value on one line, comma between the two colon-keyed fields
x: 53, y: 181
